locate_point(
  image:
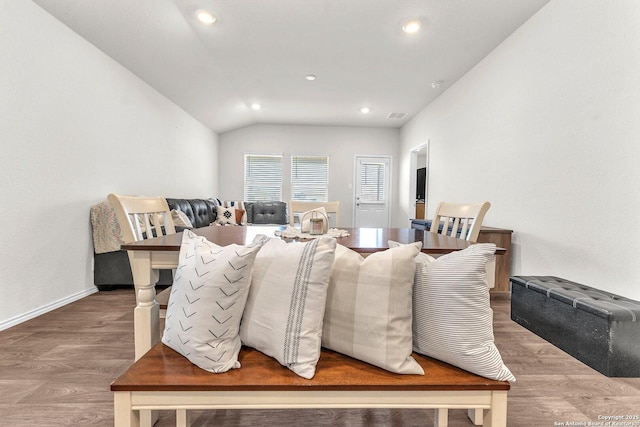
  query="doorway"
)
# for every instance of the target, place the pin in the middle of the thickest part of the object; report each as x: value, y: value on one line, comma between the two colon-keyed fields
x: 419, y: 181
x: 372, y: 191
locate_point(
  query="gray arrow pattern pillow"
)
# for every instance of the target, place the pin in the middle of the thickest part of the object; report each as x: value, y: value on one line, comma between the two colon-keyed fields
x: 207, y: 300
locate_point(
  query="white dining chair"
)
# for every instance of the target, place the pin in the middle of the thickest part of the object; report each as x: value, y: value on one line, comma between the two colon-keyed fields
x: 459, y: 220
x: 143, y: 218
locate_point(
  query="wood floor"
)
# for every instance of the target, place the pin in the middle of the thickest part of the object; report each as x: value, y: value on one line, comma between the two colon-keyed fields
x: 55, y: 370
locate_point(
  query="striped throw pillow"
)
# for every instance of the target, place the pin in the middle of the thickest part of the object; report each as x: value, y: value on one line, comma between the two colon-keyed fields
x: 285, y: 308
x: 368, y: 313
x: 453, y: 320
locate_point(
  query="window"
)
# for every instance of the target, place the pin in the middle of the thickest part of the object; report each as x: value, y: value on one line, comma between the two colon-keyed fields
x: 262, y: 177
x: 310, y: 178
x: 372, y: 182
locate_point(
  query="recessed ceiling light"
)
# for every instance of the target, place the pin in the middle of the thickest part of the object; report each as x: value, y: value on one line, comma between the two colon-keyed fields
x: 310, y: 77
x: 206, y: 17
x: 436, y: 85
x: 365, y: 110
x: 411, y: 27
x: 256, y: 106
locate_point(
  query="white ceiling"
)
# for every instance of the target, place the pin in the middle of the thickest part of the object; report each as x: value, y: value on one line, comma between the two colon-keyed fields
x: 261, y: 51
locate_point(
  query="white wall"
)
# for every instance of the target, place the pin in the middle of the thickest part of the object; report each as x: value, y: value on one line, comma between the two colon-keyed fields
x: 547, y: 128
x: 340, y: 143
x: 74, y: 126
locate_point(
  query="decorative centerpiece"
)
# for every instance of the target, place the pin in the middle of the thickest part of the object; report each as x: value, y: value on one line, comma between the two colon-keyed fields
x: 318, y: 223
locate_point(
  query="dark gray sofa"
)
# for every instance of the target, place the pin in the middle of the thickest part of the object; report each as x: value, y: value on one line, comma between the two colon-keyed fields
x: 112, y: 269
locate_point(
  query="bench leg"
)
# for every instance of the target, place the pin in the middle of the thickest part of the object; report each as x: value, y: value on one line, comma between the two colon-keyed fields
x: 441, y: 417
x: 182, y: 418
x: 123, y: 415
x: 476, y: 416
x: 497, y: 415
x: 148, y: 418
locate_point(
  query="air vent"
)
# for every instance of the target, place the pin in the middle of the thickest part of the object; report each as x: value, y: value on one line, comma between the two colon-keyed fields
x: 396, y: 115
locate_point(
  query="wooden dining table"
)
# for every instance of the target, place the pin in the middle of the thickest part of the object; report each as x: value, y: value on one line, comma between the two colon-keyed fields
x: 149, y: 256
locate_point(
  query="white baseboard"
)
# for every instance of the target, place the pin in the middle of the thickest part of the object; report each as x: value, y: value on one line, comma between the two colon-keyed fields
x: 6, y: 324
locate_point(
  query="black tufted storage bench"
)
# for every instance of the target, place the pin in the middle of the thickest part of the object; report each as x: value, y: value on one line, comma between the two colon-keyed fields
x: 598, y: 328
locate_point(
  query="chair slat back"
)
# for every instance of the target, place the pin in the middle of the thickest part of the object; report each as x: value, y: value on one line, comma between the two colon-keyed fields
x: 459, y: 220
x: 142, y: 217
x: 298, y: 207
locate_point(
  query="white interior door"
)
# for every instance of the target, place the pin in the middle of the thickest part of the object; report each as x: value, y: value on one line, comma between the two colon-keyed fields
x: 372, y: 191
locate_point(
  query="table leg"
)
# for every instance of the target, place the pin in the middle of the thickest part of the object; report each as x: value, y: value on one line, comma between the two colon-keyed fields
x: 491, y: 272
x: 146, y: 316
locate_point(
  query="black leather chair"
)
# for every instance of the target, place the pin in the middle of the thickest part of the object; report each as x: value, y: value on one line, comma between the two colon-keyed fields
x: 267, y: 213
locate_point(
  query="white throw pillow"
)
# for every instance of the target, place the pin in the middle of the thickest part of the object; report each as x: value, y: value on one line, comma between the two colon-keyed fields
x: 368, y: 314
x: 238, y: 205
x: 207, y: 301
x: 418, y: 291
x: 453, y: 320
x: 180, y: 219
x: 285, y: 308
x: 420, y: 258
x: 226, y: 215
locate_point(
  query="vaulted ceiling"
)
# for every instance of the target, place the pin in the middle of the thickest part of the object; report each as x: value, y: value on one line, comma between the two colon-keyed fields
x: 260, y: 52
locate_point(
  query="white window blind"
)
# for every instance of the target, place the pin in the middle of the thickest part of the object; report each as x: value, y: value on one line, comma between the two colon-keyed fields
x: 310, y: 178
x: 372, y: 182
x: 262, y: 177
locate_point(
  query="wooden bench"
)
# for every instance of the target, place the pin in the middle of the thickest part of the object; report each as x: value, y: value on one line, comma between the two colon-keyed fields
x: 162, y: 379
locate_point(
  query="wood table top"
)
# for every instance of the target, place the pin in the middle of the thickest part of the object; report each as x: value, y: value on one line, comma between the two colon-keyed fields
x: 163, y: 369
x: 362, y: 240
